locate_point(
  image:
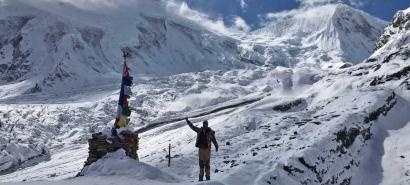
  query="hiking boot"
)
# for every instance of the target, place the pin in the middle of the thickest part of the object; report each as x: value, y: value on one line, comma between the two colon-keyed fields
x: 201, y: 178
x: 208, y: 178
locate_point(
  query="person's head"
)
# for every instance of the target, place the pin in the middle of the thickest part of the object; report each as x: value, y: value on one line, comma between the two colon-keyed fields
x: 205, y: 124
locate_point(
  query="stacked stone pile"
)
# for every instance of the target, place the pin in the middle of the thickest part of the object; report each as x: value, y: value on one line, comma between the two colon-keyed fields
x: 99, y: 145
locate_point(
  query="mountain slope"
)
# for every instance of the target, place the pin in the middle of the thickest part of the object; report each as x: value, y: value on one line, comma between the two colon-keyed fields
x: 333, y: 33
x: 342, y: 129
x: 58, y: 47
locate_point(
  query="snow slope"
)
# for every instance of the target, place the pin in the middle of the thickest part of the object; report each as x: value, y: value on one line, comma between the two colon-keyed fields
x: 61, y: 123
x: 343, y: 129
x: 321, y: 140
x: 333, y: 33
x: 117, y: 168
x: 57, y: 47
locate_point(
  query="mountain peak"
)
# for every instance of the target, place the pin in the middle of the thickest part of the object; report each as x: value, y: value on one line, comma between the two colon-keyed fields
x: 332, y: 32
x: 399, y: 24
x: 406, y: 11
x: 310, y: 19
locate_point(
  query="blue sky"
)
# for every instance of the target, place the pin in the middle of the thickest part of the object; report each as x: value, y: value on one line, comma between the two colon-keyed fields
x: 250, y: 10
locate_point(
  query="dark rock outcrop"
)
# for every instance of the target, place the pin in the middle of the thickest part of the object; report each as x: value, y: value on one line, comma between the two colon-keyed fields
x: 99, y: 145
x: 400, y: 23
x: 290, y: 105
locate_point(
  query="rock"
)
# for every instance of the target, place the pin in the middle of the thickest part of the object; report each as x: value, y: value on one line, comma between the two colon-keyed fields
x: 316, y: 122
x: 346, y: 138
x: 290, y: 169
x: 345, y: 65
x: 99, y: 145
x: 400, y: 23
x: 291, y: 105
x: 390, y: 102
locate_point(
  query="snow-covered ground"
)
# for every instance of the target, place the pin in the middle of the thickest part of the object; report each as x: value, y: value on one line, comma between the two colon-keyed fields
x: 324, y: 137
x: 275, y: 125
x: 117, y: 168
x: 396, y: 166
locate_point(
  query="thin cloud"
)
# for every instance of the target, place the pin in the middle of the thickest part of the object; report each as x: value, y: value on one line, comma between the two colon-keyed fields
x: 215, y: 24
x: 355, y: 3
x: 304, y: 5
x: 244, y: 5
x: 171, y: 7
x: 359, y: 3
x: 317, y: 2
x: 240, y: 24
x: 92, y: 4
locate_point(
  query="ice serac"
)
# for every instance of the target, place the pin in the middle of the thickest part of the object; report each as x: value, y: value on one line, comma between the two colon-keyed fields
x: 334, y: 33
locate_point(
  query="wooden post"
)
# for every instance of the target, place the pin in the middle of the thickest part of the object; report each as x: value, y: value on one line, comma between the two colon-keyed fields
x: 169, y: 155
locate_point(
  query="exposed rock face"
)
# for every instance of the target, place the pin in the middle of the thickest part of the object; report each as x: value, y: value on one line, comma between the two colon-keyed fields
x: 399, y: 24
x: 393, y: 48
x: 11, y: 36
x: 99, y: 145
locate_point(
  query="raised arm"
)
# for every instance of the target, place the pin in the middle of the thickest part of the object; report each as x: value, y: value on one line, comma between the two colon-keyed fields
x: 194, y: 128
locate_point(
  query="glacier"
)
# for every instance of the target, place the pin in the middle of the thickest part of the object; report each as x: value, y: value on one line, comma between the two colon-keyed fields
x: 290, y: 104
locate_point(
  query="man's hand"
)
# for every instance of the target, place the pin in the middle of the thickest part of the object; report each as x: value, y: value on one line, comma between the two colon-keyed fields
x: 216, y: 149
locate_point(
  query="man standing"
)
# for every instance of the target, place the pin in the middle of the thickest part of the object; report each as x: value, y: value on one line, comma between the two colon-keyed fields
x: 205, y: 136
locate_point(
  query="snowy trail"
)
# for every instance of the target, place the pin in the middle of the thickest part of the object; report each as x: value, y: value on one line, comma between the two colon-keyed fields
x: 202, y: 113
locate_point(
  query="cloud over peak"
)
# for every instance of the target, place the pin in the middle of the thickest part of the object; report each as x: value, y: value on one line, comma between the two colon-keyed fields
x: 356, y: 3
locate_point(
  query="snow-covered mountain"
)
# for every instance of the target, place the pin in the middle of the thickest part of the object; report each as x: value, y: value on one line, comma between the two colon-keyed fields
x: 323, y: 35
x: 38, y: 47
x: 275, y: 125
x: 62, y: 48
x: 59, y: 47
x: 251, y: 10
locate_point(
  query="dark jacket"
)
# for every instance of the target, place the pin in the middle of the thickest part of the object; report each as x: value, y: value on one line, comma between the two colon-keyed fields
x: 209, y: 134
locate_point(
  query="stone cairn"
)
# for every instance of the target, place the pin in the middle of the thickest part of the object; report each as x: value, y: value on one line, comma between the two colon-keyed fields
x: 99, y: 145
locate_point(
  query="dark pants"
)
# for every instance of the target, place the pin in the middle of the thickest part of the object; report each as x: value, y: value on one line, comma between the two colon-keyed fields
x: 204, y: 163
